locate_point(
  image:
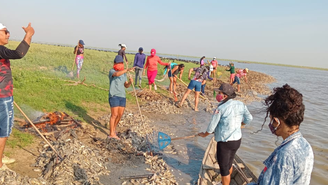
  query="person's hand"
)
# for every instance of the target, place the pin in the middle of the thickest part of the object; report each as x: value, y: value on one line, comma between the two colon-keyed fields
x: 131, y: 80
x: 202, y: 134
x: 29, y: 30
x: 131, y: 69
x: 188, y: 78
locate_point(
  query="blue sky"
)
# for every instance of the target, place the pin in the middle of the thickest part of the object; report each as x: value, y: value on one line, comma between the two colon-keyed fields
x: 287, y: 32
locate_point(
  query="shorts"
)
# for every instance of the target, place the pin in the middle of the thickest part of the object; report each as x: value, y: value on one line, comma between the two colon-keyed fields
x: 232, y: 76
x: 169, y: 73
x: 6, y: 116
x: 195, y: 84
x: 116, y: 101
x: 237, y: 79
x: 225, y: 155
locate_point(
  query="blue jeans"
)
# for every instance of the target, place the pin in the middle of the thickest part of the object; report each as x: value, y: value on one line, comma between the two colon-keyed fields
x: 116, y: 101
x: 6, y: 116
x: 203, y: 88
x: 195, y: 84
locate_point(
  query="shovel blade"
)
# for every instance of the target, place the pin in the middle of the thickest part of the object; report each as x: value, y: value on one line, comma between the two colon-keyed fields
x: 163, y: 140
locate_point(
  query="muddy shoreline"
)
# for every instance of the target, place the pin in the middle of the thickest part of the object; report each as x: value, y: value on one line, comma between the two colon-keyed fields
x: 99, y: 160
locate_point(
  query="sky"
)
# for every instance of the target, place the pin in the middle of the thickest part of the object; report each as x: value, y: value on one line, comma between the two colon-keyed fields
x: 293, y: 32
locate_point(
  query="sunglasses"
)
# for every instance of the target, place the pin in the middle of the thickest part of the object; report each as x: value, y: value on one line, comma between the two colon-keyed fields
x: 6, y: 31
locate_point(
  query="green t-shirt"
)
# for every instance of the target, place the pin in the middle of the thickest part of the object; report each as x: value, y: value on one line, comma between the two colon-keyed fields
x: 232, y: 69
x: 116, y: 84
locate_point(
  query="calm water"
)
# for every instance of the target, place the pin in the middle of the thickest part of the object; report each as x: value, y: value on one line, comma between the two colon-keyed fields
x: 257, y: 147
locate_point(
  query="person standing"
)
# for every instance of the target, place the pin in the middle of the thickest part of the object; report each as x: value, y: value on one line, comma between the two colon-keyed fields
x: 202, y: 61
x: 117, y: 97
x: 201, y: 74
x: 214, y: 63
x: 226, y: 124
x: 242, y: 73
x: 121, y: 52
x: 151, y: 66
x: 292, y: 161
x: 232, y: 72
x: 6, y: 85
x: 139, y: 61
x: 79, y: 57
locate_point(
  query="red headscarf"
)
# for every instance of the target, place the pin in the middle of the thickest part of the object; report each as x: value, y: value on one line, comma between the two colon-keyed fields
x: 152, y: 52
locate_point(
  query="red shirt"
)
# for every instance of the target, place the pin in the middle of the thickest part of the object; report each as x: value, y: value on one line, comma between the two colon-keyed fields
x: 6, y: 79
x: 151, y: 63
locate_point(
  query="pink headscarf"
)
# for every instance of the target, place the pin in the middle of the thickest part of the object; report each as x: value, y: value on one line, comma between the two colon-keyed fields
x: 152, y: 52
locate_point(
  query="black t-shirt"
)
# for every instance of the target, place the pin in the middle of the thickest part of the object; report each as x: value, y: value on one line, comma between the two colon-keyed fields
x: 80, y: 50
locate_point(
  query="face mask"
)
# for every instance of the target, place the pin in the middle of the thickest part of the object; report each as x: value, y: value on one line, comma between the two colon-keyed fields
x: 219, y: 97
x: 152, y: 52
x: 118, y: 67
x: 272, y: 128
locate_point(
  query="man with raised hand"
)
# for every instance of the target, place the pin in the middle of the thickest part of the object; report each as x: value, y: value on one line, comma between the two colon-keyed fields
x: 6, y: 85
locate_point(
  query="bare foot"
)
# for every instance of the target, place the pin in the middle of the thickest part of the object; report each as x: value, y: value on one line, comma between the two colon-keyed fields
x: 115, y: 137
x: 196, y: 110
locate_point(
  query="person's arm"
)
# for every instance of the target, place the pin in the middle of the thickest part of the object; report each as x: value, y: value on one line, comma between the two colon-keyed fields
x: 75, y: 50
x: 124, y: 56
x: 143, y: 60
x: 135, y: 60
x: 128, y: 83
x: 245, y: 76
x: 204, y: 82
x: 181, y: 74
x: 119, y: 73
x: 146, y: 66
x: 162, y: 63
x: 190, y: 70
x: 29, y: 32
x: 247, y: 116
x: 18, y: 53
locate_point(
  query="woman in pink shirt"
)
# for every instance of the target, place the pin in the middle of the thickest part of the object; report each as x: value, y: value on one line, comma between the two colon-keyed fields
x: 151, y: 66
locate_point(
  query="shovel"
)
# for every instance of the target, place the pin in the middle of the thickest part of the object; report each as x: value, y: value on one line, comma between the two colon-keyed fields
x: 219, y: 74
x: 71, y: 74
x: 164, y: 140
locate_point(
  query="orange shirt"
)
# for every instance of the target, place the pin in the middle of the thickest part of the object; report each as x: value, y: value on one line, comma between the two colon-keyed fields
x: 151, y: 63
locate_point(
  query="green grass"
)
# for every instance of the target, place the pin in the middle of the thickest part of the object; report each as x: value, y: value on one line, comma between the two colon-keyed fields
x: 39, y: 80
x: 18, y: 138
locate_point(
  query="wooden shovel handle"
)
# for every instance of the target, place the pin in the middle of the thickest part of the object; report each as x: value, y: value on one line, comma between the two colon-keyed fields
x: 185, y: 137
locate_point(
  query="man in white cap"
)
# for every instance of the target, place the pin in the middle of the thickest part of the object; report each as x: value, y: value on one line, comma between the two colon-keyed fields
x: 6, y: 85
x: 122, y: 52
x: 214, y: 63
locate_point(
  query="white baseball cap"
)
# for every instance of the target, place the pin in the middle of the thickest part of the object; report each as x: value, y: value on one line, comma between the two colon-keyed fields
x: 123, y: 45
x: 2, y: 26
x: 214, y: 57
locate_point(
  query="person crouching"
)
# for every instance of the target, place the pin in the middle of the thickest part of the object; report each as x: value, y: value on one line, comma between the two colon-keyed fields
x: 117, y: 97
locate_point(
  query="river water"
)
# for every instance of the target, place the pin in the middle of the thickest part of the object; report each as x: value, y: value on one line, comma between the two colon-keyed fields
x: 256, y: 148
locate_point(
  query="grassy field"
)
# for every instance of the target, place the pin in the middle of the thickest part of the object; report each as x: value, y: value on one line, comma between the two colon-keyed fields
x: 40, y: 86
x: 41, y: 83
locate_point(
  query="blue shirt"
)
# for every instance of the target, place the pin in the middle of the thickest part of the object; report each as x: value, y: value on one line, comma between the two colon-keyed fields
x: 226, y: 120
x: 116, y: 84
x: 139, y: 60
x: 290, y: 163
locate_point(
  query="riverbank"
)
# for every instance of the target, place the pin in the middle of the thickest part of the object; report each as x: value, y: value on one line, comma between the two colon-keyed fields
x: 119, y: 162
x: 42, y: 86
